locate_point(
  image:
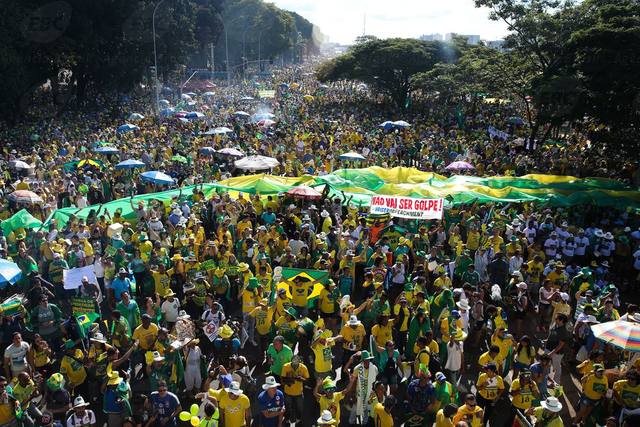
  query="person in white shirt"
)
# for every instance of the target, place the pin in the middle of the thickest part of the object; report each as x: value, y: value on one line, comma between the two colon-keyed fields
x: 530, y: 233
x: 15, y: 356
x: 170, y: 308
x: 607, y: 246
x: 515, y: 262
x: 569, y: 247
x: 562, y: 232
x: 582, y: 243
x: 551, y: 245
x: 81, y: 417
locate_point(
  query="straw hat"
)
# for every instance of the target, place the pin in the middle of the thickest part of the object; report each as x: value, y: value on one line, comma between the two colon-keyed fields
x: 552, y: 404
x: 270, y: 382
x: 79, y: 402
x: 234, y: 388
x: 326, y: 419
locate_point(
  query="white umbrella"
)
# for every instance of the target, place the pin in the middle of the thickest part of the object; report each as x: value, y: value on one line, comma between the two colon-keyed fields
x: 231, y: 152
x: 401, y: 124
x: 256, y: 163
x: 241, y: 114
x: 19, y: 164
x: 185, y: 97
x: 352, y: 155
x: 208, y: 94
x: 136, y: 116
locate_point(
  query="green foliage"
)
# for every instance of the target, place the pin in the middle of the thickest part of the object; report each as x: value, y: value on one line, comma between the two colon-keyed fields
x: 387, y: 65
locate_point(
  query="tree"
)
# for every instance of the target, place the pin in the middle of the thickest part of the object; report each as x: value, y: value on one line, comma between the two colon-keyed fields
x: 386, y: 65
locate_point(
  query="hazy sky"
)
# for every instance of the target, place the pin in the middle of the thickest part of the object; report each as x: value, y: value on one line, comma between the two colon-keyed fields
x: 342, y: 20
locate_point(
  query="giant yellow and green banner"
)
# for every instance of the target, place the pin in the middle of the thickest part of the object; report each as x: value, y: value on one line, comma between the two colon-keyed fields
x: 358, y: 186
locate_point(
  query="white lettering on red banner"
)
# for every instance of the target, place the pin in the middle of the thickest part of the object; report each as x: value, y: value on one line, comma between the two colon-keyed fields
x: 407, y: 207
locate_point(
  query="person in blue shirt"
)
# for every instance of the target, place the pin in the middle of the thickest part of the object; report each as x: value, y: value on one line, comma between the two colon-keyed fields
x: 121, y: 284
x: 540, y: 373
x: 164, y: 406
x: 271, y: 402
x: 268, y: 217
x: 421, y: 393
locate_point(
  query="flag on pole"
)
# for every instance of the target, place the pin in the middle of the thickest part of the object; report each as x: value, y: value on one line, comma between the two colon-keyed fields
x: 84, y: 323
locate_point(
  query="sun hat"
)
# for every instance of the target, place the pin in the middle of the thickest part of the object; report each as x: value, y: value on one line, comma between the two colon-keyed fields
x: 157, y: 357
x: 326, y: 418
x: 270, y: 382
x: 98, y: 337
x: 353, y: 320
x: 598, y: 367
x: 463, y: 304
x: 113, y: 378
x: 365, y: 355
x: 234, y: 388
x: 183, y: 315
x: 328, y: 384
x: 552, y: 404
x: 292, y: 312
x: 521, y: 285
x: 440, y: 376
x: 225, y: 332
x: 459, y: 335
x: 79, y: 402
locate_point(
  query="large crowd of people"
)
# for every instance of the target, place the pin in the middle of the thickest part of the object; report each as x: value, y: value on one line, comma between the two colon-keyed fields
x: 195, y: 317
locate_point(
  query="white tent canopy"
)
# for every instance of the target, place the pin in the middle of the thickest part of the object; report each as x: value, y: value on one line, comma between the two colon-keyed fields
x: 256, y: 163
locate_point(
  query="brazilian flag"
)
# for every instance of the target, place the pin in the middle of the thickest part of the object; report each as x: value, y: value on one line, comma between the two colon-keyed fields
x: 316, y: 279
x: 84, y: 323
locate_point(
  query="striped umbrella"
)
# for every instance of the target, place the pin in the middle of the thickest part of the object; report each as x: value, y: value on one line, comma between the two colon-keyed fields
x: 620, y: 333
x: 24, y: 196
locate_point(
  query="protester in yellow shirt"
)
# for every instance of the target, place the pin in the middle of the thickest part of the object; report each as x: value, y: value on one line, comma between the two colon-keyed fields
x: 330, y: 399
x: 321, y: 347
x: 146, y: 334
x: 594, y: 387
x: 72, y: 365
x: 627, y: 392
x: 490, y: 387
x: 382, y: 412
x: 523, y: 391
x: 293, y: 376
x: 444, y: 417
x: 470, y: 412
x: 235, y: 407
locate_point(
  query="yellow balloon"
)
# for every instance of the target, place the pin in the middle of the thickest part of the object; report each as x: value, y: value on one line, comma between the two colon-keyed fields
x: 184, y: 416
x: 194, y: 408
x: 195, y: 421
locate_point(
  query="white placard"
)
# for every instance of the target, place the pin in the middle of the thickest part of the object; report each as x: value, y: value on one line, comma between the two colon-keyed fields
x: 73, y: 278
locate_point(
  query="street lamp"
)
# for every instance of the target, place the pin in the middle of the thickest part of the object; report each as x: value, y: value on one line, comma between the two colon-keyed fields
x: 155, y: 55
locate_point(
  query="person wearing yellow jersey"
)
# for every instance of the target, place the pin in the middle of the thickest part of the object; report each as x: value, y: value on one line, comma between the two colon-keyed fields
x: 72, y: 366
x: 300, y: 291
x: 293, y: 376
x: 323, y: 355
x: 594, y: 387
x: 444, y: 417
x: 353, y: 333
x: 263, y: 315
x: 490, y: 387
x: 626, y: 393
x: 382, y: 331
x: 7, y: 405
x: 162, y: 279
x: 249, y: 297
x: 490, y: 356
x: 383, y: 412
x: 505, y: 343
x: 548, y: 413
x: 470, y: 412
x: 402, y: 314
x: 329, y: 399
x: 523, y: 391
x: 443, y: 281
x: 327, y: 305
x: 494, y: 241
x: 235, y: 407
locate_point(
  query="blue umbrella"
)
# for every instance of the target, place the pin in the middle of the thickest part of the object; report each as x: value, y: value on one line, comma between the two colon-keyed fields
x: 127, y: 127
x: 163, y: 103
x: 284, y: 85
x: 167, y: 112
x: 130, y: 164
x: 401, y: 124
x: 9, y: 273
x: 106, y: 150
x: 208, y: 150
x: 387, y: 125
x: 194, y: 115
x: 156, y: 177
x: 516, y: 121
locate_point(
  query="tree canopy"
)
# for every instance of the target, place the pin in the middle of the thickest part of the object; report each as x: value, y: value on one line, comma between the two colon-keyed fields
x: 387, y: 65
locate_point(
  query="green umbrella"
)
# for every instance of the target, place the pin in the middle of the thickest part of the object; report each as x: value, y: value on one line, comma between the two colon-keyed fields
x: 180, y: 159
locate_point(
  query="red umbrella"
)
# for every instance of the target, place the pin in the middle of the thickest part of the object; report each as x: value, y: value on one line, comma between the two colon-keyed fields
x: 305, y: 192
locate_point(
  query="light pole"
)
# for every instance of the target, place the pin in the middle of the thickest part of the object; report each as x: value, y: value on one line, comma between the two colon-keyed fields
x: 155, y: 56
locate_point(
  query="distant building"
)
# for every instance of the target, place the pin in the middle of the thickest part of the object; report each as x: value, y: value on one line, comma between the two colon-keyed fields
x: 437, y: 37
x: 472, y: 39
x: 495, y: 44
